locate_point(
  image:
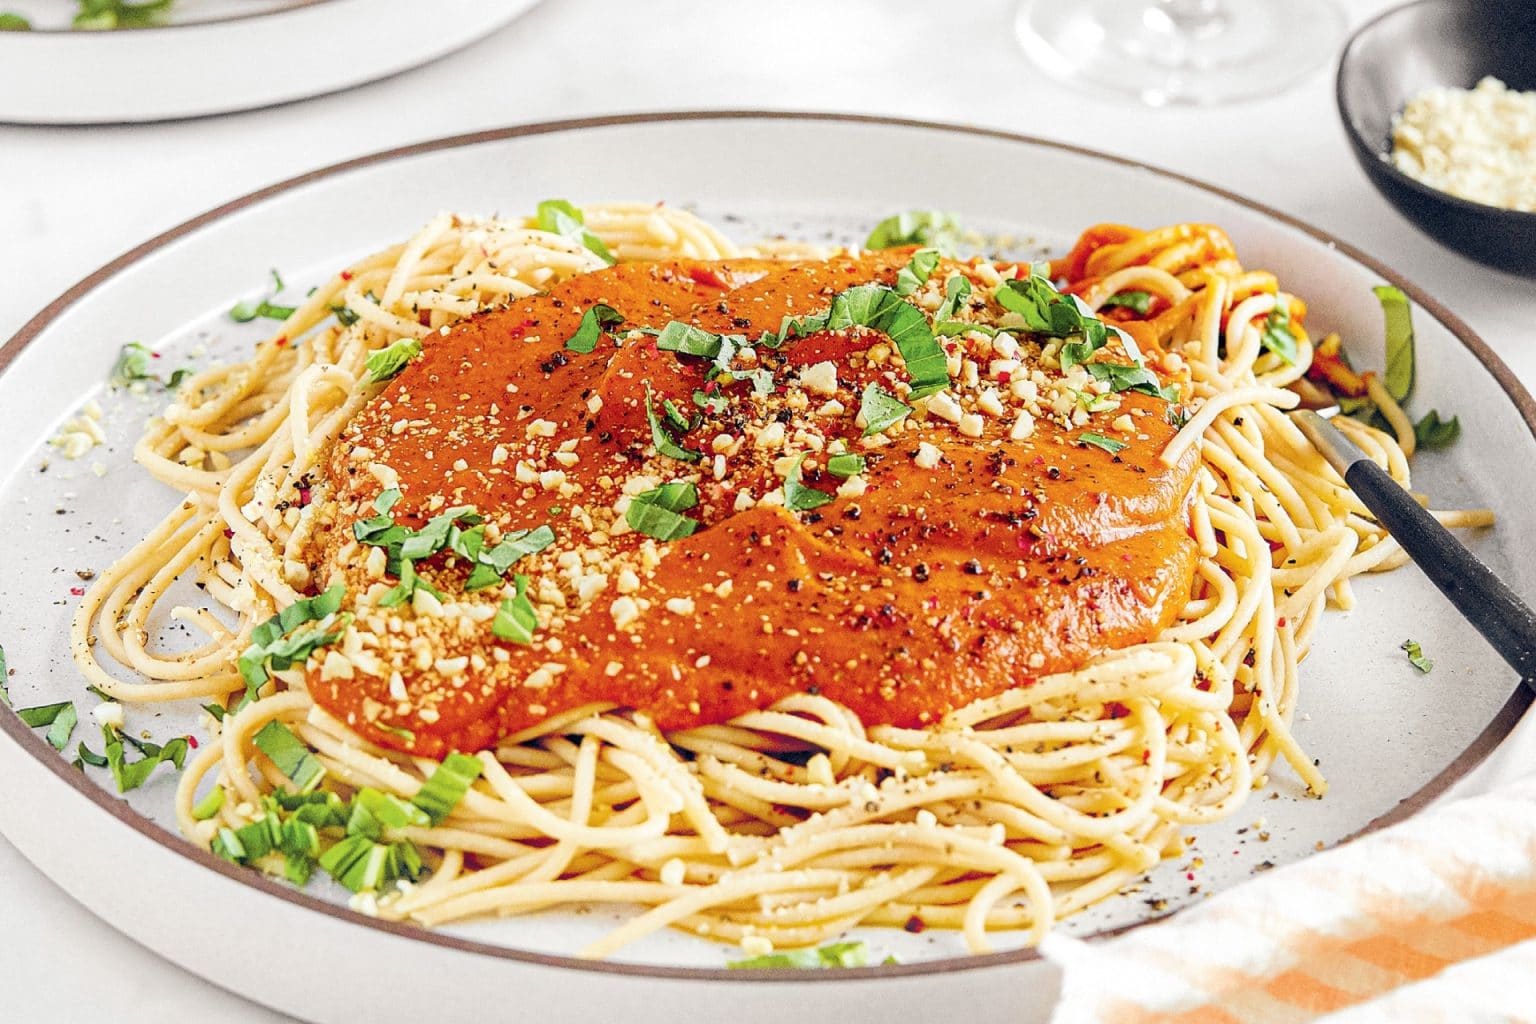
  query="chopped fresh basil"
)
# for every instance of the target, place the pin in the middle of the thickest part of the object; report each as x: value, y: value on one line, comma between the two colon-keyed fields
x: 1137, y: 302
x: 410, y: 582
x: 459, y: 529
x: 791, y: 327
x: 275, y: 645
x: 344, y: 315
x: 675, y: 418
x: 290, y: 755
x: 561, y: 218
x: 131, y: 775
x: 881, y: 309
x: 363, y: 865
x: 433, y: 537
x: 13, y: 22
x: 110, y: 14
x: 1276, y: 336
x: 1398, y: 314
x: 917, y: 271
x: 957, y: 292
x: 797, y: 496
x: 836, y: 954
x: 245, y: 312
x: 1047, y: 311
x: 881, y: 410
x: 243, y: 845
x: 845, y: 465
x: 446, y: 786
x: 43, y: 714
x: 387, y: 362
x: 597, y: 319
x: 916, y: 227
x: 320, y: 808
x: 658, y: 513
x: 715, y: 404
x: 1108, y: 444
x: 209, y: 805
x: 491, y: 564
x: 63, y: 727
x: 374, y: 811
x: 661, y: 439
x: 61, y: 719
x: 1416, y: 656
x: 132, y: 364
x: 516, y: 618
x: 761, y: 378
x: 695, y: 341
x: 1433, y: 432
x: 1131, y: 378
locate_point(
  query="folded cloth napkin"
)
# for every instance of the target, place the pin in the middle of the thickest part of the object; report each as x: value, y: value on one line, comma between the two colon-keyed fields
x: 1432, y: 919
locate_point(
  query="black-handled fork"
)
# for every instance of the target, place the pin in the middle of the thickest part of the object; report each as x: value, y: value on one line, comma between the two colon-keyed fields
x: 1483, y: 599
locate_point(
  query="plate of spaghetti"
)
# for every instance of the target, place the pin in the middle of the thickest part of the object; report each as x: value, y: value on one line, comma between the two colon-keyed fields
x: 568, y: 571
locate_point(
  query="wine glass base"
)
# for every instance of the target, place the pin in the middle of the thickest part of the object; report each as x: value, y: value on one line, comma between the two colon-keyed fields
x: 1161, y: 54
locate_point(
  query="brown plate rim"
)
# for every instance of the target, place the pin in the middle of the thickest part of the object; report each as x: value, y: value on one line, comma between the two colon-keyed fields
x: 34, y: 744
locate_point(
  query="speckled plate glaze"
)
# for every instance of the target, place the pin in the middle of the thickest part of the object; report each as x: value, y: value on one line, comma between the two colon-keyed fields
x: 1389, y: 738
x: 217, y: 56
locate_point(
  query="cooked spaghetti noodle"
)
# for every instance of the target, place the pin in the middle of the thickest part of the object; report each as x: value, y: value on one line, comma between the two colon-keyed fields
x: 790, y: 824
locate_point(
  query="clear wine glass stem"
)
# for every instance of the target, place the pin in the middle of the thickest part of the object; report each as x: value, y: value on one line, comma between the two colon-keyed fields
x: 1195, y: 17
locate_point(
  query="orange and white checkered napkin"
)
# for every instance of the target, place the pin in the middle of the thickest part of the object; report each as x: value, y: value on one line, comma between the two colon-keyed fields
x: 1432, y: 919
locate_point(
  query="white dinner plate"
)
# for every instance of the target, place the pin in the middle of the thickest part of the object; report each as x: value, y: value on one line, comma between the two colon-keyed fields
x: 218, y: 56
x: 1388, y: 737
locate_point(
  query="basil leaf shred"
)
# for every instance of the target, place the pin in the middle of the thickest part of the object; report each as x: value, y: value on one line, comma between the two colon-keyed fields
x: 598, y: 318
x: 1397, y: 311
x: 881, y: 409
x: 1108, y: 444
x: 388, y: 361
x: 798, y: 497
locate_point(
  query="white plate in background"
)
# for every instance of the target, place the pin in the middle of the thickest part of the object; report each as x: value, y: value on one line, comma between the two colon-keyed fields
x: 214, y: 58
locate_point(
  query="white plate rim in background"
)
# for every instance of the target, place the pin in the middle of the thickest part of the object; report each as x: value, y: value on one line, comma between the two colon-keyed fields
x: 222, y: 65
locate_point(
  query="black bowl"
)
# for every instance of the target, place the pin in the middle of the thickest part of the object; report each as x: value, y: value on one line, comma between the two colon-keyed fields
x: 1411, y: 48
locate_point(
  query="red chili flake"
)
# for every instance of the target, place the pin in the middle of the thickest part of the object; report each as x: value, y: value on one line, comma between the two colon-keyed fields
x: 77, y: 591
x: 154, y: 355
x: 915, y: 925
x: 228, y: 533
x: 1189, y: 876
x: 303, y: 496
x: 1117, y: 710
x: 346, y: 275
x: 280, y: 341
x: 191, y: 741
x: 1005, y: 377
x: 1280, y: 622
x: 710, y: 387
x: 1146, y: 756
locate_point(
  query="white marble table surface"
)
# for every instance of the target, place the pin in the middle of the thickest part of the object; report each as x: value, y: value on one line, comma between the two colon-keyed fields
x: 73, y: 198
